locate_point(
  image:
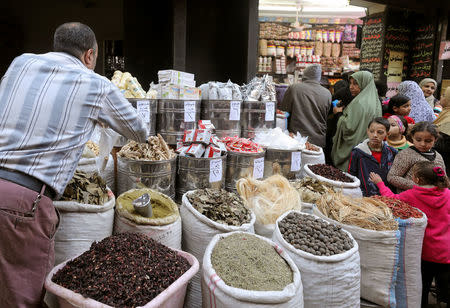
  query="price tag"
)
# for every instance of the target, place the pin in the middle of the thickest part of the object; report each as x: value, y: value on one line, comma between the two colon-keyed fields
x: 235, y: 111
x: 296, y: 161
x: 189, y: 111
x: 143, y: 109
x: 215, y: 170
x: 270, y: 111
x: 258, y: 168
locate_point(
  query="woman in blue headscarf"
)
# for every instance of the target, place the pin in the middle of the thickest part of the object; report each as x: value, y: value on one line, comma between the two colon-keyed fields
x: 420, y: 109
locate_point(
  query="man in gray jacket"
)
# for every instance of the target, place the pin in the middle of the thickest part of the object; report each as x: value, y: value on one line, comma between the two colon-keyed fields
x: 308, y: 103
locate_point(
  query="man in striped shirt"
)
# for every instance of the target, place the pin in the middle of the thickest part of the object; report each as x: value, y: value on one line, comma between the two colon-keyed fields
x: 49, y: 105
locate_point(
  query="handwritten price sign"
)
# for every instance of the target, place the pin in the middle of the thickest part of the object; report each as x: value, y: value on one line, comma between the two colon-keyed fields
x: 143, y: 109
x: 444, y: 51
x: 235, y: 111
x: 215, y: 170
x: 189, y: 111
x: 270, y: 111
x: 258, y: 168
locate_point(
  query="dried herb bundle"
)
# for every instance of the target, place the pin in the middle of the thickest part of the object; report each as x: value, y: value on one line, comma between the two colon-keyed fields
x: 367, y: 213
x: 311, y: 189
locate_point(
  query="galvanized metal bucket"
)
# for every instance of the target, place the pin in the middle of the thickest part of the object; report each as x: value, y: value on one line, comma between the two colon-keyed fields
x: 285, y: 162
x: 147, y: 108
x: 257, y: 116
x: 175, y: 116
x: 194, y: 173
x: 225, y: 115
x: 158, y: 175
x: 241, y: 165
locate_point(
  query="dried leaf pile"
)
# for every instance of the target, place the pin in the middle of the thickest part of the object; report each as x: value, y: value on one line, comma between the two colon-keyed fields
x: 155, y: 149
x: 270, y: 198
x: 221, y: 206
x: 367, y: 213
x: 86, y: 188
x: 311, y: 190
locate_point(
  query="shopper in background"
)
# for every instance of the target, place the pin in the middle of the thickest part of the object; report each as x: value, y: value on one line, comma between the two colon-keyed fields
x: 420, y: 109
x: 49, y: 105
x: 396, y: 137
x: 443, y: 123
x: 429, y: 86
x: 424, y: 136
x: 399, y: 105
x: 372, y: 155
x: 429, y: 194
x: 340, y: 99
x: 308, y: 103
x: 352, y: 125
x: 381, y: 89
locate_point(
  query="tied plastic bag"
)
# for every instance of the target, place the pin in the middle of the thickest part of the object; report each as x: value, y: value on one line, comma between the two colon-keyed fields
x: 276, y: 139
x: 108, y: 138
x: 259, y: 89
x: 220, y: 90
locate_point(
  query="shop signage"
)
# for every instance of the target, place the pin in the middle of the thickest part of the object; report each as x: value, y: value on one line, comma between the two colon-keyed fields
x: 395, y: 66
x: 444, y: 51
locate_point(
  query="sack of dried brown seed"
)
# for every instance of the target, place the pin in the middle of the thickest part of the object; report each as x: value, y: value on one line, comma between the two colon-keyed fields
x: 211, y: 212
x: 328, y: 174
x: 326, y: 256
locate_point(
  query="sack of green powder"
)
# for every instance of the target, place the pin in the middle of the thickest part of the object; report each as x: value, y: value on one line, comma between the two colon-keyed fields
x: 198, y: 230
x: 327, y: 258
x: 247, y: 270
x: 82, y: 224
x: 164, y: 226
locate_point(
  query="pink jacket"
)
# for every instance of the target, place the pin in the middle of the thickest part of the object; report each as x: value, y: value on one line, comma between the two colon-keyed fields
x: 435, y: 203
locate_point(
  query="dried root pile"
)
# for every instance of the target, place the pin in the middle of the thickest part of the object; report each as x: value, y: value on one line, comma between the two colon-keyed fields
x: 155, y: 149
x: 367, y: 213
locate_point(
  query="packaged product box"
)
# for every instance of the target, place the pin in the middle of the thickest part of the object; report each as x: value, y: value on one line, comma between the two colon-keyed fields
x: 190, y: 93
x: 170, y: 91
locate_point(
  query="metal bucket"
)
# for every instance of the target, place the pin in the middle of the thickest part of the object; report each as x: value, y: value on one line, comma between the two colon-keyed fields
x: 144, y: 107
x: 225, y: 115
x: 241, y: 165
x: 195, y: 173
x: 172, y: 114
x: 285, y: 162
x: 257, y: 116
x: 158, y: 175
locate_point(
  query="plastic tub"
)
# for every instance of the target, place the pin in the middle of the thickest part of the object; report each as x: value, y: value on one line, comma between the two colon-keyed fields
x: 172, y: 297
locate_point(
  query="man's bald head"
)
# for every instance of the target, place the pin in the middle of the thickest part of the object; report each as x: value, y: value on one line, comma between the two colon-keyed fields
x: 74, y: 38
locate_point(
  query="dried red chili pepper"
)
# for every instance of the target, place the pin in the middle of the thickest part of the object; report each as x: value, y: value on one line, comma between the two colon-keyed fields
x: 399, y: 208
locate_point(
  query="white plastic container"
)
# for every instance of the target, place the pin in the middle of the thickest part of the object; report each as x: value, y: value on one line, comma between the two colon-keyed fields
x: 172, y: 297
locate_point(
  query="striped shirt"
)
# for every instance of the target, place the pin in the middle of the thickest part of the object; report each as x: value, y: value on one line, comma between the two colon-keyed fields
x: 49, y: 105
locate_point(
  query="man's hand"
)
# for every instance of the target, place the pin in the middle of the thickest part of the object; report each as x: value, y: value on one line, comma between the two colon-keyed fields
x: 337, y: 109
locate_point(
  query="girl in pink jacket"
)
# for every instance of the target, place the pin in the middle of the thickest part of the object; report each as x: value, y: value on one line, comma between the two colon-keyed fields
x: 432, y: 196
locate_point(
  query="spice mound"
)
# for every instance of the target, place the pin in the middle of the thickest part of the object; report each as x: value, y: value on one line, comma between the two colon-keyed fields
x: 312, y: 189
x: 155, y: 149
x: 164, y: 210
x: 236, y: 144
x: 86, y: 188
x: 330, y: 172
x: 247, y: 262
x: 311, y: 147
x: 314, y: 235
x: 221, y: 206
x: 124, y: 270
x: 367, y: 213
x: 399, y: 208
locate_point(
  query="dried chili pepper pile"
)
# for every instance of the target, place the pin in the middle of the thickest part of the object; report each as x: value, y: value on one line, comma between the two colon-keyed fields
x: 399, y: 208
x: 124, y: 270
